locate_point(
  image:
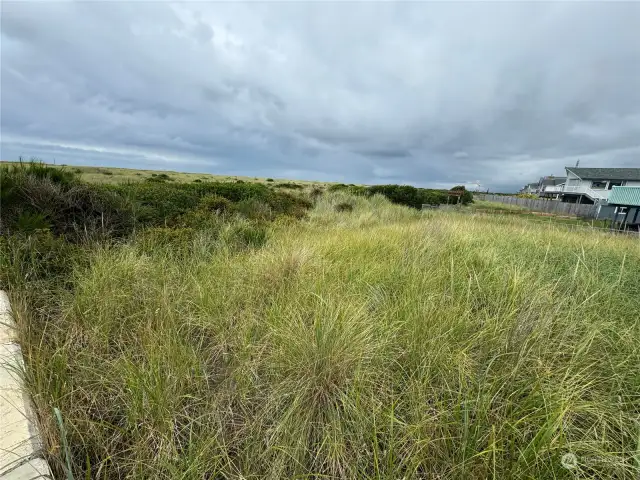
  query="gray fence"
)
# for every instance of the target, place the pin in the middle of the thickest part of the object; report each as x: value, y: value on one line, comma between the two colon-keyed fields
x: 543, y: 205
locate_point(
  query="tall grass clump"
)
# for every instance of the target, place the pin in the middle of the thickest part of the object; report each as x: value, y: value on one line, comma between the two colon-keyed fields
x: 372, y: 342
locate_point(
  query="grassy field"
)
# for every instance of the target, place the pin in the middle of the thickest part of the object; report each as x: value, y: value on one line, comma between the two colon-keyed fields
x: 373, y: 341
x: 484, y: 206
x: 121, y: 175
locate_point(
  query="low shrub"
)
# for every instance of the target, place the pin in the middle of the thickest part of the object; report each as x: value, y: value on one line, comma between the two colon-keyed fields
x: 269, y: 179
x: 291, y: 185
x: 35, y: 197
x: 467, y: 196
x: 316, y: 192
x: 344, y: 207
x: 215, y: 203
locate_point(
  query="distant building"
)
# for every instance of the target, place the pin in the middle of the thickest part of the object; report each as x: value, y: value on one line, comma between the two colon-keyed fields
x: 529, y: 188
x: 551, y: 187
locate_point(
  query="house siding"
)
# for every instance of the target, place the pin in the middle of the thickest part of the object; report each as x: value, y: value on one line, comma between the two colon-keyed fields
x: 627, y: 195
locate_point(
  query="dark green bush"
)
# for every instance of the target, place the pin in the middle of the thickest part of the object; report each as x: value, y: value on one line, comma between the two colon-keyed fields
x: 291, y: 185
x: 409, y: 195
x: 215, y: 203
x: 162, y: 204
x: 344, y: 207
x: 36, y: 196
x: 401, y: 194
x: 269, y: 179
x: 467, y: 196
x: 316, y: 192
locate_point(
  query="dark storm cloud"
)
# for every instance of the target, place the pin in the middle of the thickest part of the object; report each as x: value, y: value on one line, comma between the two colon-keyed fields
x: 423, y: 93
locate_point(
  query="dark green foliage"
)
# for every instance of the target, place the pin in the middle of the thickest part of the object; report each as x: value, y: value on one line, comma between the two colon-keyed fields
x: 35, y: 196
x: 352, y: 189
x: 316, y: 192
x: 106, y: 172
x: 30, y: 222
x: 291, y: 185
x: 467, y: 196
x: 344, y: 207
x: 197, y: 180
x: 215, y: 203
x: 269, y: 179
x: 239, y: 181
x: 160, y: 177
x: 402, y: 194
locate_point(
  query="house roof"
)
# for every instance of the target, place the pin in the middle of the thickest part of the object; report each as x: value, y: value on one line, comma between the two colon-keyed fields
x: 606, y: 173
x: 625, y: 196
x: 547, y: 181
x: 531, y: 185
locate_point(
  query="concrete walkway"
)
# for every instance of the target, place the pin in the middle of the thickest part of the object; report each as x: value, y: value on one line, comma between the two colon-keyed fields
x: 20, y: 446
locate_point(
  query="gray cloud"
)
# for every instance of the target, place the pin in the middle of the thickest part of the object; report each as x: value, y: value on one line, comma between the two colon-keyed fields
x: 425, y: 93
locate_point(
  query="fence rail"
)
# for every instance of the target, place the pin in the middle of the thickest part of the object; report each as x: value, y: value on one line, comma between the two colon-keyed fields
x: 556, y: 225
x: 541, y: 205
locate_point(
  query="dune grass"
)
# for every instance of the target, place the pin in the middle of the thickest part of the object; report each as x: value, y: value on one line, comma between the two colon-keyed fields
x: 379, y: 342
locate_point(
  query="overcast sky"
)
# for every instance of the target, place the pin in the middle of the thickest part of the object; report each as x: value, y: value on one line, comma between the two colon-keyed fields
x: 431, y: 94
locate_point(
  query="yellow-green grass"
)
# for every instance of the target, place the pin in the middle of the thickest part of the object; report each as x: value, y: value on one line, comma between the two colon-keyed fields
x: 376, y: 343
x: 121, y: 175
x: 489, y: 207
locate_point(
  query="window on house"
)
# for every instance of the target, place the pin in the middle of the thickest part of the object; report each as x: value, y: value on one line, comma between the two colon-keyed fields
x: 615, y: 184
x: 600, y: 185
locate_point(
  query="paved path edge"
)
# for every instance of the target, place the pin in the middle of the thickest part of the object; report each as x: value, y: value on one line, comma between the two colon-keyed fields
x: 21, y: 455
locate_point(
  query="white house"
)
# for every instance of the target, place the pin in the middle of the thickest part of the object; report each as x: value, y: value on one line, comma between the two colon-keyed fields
x: 551, y: 187
x: 593, y: 185
x: 529, y: 188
